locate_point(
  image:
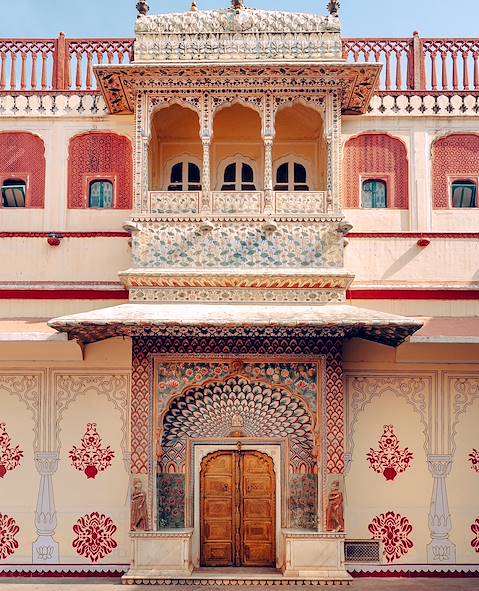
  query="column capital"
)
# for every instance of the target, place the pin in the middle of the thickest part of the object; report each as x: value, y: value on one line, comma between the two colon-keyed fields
x: 439, y: 465
x: 46, y: 462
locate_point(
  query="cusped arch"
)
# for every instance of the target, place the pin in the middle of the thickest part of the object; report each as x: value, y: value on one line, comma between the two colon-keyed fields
x: 22, y: 156
x: 376, y: 155
x: 454, y: 156
x: 100, y: 153
x: 220, y: 408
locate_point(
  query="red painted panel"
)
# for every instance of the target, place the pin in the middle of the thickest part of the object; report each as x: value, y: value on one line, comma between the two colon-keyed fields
x: 375, y: 155
x: 102, y: 154
x: 456, y: 154
x: 22, y: 156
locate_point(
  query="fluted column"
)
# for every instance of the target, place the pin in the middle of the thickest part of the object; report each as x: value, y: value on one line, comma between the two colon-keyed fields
x: 440, y: 549
x: 45, y: 550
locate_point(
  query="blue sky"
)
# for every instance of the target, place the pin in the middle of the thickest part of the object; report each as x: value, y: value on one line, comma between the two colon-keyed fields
x: 115, y: 18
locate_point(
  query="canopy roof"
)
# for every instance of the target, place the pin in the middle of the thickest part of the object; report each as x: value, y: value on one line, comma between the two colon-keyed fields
x: 320, y: 321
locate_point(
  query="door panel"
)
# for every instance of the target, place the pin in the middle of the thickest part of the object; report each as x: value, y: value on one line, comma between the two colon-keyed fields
x: 258, y: 492
x: 217, y: 509
x: 237, y: 509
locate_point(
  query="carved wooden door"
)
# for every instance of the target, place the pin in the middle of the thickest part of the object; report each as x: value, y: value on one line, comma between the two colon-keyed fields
x: 237, y: 509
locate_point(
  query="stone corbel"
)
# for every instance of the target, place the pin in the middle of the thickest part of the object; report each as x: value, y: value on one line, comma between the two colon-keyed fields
x: 44, y: 549
x: 440, y: 549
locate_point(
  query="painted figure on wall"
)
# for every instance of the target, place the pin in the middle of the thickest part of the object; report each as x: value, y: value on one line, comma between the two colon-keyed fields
x: 335, y: 509
x: 139, y: 510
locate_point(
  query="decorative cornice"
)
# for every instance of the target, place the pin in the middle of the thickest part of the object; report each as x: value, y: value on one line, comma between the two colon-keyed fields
x: 354, y: 82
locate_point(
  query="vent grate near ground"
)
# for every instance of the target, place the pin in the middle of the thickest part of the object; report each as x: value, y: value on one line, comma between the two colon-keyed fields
x: 362, y: 551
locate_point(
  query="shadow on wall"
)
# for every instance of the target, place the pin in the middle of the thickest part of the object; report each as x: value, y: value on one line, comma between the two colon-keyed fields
x: 402, y: 261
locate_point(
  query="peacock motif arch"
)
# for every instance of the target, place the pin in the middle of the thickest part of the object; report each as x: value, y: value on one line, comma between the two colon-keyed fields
x: 238, y: 406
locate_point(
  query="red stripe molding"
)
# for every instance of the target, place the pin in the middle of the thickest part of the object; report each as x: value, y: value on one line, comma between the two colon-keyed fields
x: 65, y: 234
x: 412, y: 294
x: 63, y: 294
x: 351, y: 294
x: 452, y: 235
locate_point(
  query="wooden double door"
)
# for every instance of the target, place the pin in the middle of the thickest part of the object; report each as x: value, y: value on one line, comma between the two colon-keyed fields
x: 238, y: 509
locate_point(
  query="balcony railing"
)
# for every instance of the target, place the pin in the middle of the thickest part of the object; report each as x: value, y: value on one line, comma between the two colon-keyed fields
x: 237, y: 203
x: 411, y: 64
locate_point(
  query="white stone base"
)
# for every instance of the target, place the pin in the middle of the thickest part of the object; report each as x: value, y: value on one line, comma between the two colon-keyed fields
x: 161, y: 554
x: 304, y: 556
x: 314, y: 555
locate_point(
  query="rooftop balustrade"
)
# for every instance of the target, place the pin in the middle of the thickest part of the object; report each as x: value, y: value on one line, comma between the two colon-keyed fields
x: 411, y: 65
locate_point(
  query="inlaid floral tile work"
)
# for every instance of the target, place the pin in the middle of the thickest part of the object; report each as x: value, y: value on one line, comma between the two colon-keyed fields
x: 259, y: 400
x: 237, y: 245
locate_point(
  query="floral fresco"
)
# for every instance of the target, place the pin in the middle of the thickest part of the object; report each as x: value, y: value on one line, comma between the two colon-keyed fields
x: 10, y: 455
x: 94, y: 536
x: 90, y: 457
x: 389, y: 460
x: 8, y: 530
x: 393, y: 530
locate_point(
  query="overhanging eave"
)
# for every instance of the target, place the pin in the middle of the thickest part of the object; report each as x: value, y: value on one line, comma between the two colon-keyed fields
x: 319, y: 321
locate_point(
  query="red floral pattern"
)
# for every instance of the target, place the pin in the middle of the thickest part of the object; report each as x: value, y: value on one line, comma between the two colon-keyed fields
x: 90, y: 457
x: 9, y: 456
x: 474, y: 459
x: 94, y: 536
x: 393, y: 529
x: 8, y: 530
x: 475, y: 531
x: 389, y: 460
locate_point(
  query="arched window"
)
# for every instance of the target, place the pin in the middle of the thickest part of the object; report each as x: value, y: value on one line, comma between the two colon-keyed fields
x: 185, y: 176
x: 291, y: 176
x: 238, y: 176
x: 464, y: 193
x: 14, y: 193
x: 100, y: 194
x: 374, y: 194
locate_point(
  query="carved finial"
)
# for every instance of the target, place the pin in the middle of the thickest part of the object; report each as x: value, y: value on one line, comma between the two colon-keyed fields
x: 333, y: 7
x: 194, y: 6
x: 238, y: 4
x: 142, y: 8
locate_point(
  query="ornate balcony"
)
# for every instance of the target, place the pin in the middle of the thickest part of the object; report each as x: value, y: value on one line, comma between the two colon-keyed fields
x: 237, y: 203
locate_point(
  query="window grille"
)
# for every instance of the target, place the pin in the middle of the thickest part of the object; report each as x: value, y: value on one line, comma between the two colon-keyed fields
x: 464, y: 193
x: 14, y: 193
x: 179, y: 181
x: 291, y: 176
x: 374, y: 194
x: 238, y: 176
x: 362, y: 551
x: 100, y: 195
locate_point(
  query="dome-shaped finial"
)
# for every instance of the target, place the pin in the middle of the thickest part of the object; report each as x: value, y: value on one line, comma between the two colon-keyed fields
x: 238, y: 4
x: 333, y: 7
x: 142, y: 8
x: 194, y: 6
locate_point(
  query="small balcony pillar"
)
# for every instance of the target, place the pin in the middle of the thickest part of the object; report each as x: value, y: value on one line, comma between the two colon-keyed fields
x: 268, y: 205
x: 206, y: 176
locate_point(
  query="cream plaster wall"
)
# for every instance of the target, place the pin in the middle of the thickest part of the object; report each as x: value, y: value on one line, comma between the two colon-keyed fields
x: 418, y: 134
x: 46, y: 405
x: 56, y: 134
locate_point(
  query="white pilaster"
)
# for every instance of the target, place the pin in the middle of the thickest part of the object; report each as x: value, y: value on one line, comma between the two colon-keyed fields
x: 44, y: 549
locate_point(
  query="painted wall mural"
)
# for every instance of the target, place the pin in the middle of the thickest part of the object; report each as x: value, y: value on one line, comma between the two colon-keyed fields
x: 8, y: 530
x: 475, y: 531
x: 393, y: 530
x: 389, y: 460
x: 10, y: 454
x: 90, y: 457
x: 474, y: 459
x: 94, y: 536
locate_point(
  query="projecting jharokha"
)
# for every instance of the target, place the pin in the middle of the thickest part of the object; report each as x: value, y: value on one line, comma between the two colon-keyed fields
x: 239, y: 299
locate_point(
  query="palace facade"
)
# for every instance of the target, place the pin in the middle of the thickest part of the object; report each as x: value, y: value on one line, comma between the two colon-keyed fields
x: 239, y: 300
